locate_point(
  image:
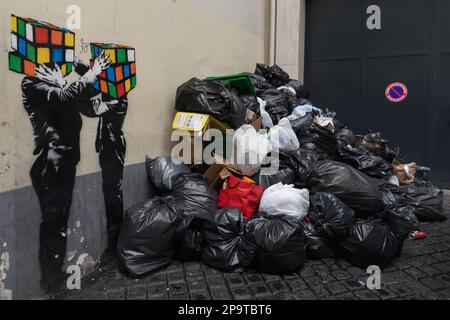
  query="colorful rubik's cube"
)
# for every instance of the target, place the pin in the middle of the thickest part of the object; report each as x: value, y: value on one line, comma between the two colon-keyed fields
x: 37, y: 42
x: 120, y: 77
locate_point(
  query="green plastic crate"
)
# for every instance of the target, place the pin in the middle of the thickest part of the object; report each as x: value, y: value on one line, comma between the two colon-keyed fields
x: 240, y: 81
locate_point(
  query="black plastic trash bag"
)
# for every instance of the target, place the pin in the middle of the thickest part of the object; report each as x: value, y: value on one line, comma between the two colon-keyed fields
x: 291, y: 98
x: 399, y: 214
x: 402, y: 221
x: 250, y: 102
x: 302, y: 123
x: 213, y: 98
x: 284, y: 175
x: 370, y: 243
x: 261, y: 84
x: 277, y: 104
x: 162, y: 172
x: 300, y: 90
x: 364, y: 161
x: 274, y: 74
x: 280, y: 243
x: 318, y: 139
x: 332, y: 218
x: 225, y: 247
x: 427, y: 201
x: 316, y: 247
x: 145, y: 243
x: 357, y: 190
x: 302, y: 162
x: 194, y: 197
x: 190, y: 247
x: 346, y: 136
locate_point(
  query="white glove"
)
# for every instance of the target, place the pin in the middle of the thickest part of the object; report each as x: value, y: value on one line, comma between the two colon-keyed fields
x: 53, y: 76
x: 101, y: 63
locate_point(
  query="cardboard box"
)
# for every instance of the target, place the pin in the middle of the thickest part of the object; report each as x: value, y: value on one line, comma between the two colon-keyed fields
x: 219, y: 172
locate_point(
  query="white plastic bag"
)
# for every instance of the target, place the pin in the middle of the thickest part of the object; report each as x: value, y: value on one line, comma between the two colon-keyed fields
x: 283, y: 138
x: 266, y: 119
x: 283, y: 199
x: 250, y: 150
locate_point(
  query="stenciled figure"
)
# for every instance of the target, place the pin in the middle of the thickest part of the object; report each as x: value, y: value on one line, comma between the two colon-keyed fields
x: 111, y: 146
x: 50, y: 103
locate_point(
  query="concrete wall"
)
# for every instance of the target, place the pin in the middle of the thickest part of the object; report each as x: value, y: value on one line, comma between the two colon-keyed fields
x: 290, y: 36
x: 175, y: 40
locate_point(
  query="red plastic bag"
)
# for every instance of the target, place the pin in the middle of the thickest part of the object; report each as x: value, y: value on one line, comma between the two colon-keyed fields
x: 237, y: 193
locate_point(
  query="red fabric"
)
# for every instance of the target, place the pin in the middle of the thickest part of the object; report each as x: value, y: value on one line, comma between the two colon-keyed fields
x: 240, y: 194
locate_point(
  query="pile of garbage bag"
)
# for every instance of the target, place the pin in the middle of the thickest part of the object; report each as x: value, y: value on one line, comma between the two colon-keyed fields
x: 333, y: 193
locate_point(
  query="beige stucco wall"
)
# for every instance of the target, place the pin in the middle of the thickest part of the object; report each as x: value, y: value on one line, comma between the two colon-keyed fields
x: 175, y: 40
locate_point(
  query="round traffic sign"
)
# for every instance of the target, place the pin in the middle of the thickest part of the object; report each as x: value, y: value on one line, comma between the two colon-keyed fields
x: 397, y: 92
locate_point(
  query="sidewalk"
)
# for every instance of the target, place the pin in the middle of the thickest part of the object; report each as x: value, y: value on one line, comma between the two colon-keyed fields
x: 422, y: 272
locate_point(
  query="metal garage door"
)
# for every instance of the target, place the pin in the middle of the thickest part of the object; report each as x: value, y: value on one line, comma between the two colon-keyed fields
x: 349, y: 67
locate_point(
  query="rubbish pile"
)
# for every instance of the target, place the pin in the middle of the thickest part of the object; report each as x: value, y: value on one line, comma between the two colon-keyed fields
x: 335, y: 193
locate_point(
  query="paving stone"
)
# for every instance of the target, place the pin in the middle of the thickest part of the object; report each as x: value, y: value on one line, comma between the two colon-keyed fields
x: 197, y: 285
x: 416, y: 273
x: 442, y: 266
x: 298, y: 284
x: 159, y: 297
x: 440, y: 257
x: 116, y: 284
x: 341, y: 275
x: 445, y: 294
x: 178, y: 288
x: 286, y: 296
x: 430, y: 295
x: 195, y: 274
x: 401, y: 290
x: 156, y: 279
x: 353, y: 285
x: 200, y: 296
x: 417, y: 287
x: 336, y: 288
x: 271, y: 277
x: 220, y: 293
x: 324, y: 272
x: 430, y: 270
x: 278, y: 286
x: 306, y: 272
x: 366, y: 295
x: 346, y: 296
x: 445, y: 279
x: 179, y: 297
x: 137, y: 292
x: 241, y: 293
x: 116, y: 294
x: 260, y: 290
x: 386, y: 294
x: 433, y: 283
x: 175, y: 277
x: 157, y: 289
x: 314, y: 281
x: 321, y: 291
x: 305, y: 295
x: 394, y: 277
x: 254, y: 278
x: 216, y: 281
x: 236, y: 282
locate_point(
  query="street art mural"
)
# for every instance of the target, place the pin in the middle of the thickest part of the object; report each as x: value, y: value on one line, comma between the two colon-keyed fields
x: 45, y: 54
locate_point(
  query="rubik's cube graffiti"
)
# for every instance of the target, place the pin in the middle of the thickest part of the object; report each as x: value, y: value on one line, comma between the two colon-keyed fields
x: 120, y: 77
x: 36, y: 42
